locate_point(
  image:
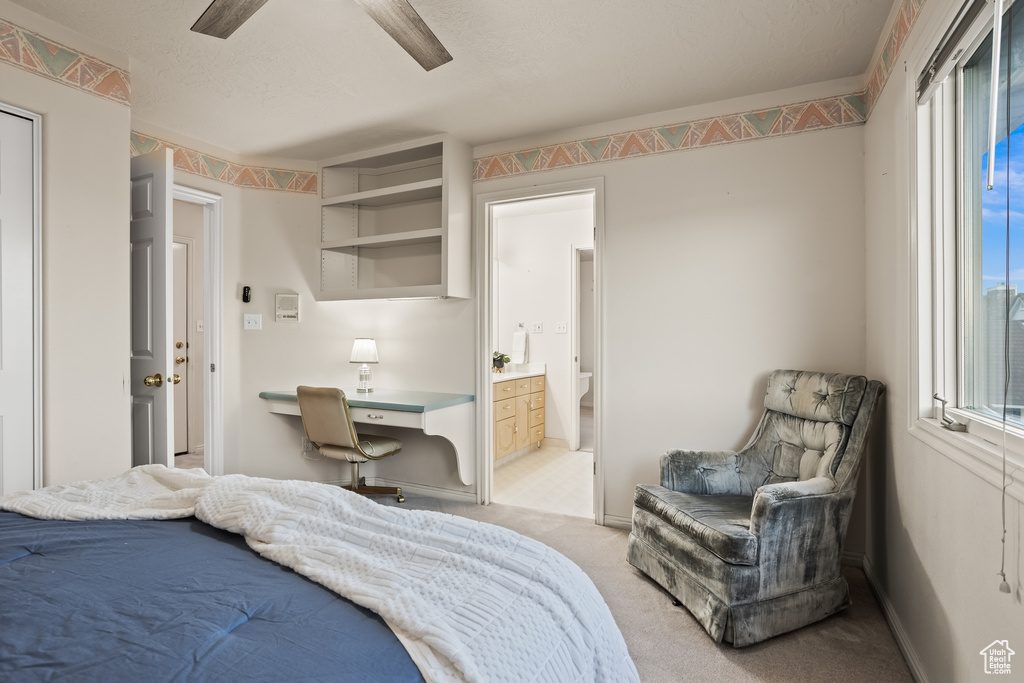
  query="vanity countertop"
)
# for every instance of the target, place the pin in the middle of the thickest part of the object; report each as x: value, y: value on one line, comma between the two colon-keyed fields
x: 518, y: 372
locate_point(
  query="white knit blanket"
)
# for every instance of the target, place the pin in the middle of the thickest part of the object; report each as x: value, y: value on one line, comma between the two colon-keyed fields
x: 471, y: 601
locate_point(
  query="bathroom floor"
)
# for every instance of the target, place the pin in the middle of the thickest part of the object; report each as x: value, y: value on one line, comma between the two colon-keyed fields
x: 549, y: 479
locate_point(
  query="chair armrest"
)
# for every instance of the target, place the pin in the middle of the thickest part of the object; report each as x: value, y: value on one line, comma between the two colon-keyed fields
x: 800, y: 526
x: 707, y: 473
x: 771, y: 498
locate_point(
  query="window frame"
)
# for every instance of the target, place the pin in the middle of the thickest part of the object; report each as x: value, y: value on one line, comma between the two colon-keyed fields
x: 937, y: 179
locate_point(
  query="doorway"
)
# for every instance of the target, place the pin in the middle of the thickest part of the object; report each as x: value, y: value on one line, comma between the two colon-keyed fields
x: 188, y: 300
x: 526, y: 279
x: 200, y: 231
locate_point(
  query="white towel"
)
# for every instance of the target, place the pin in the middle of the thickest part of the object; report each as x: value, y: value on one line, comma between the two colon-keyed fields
x: 520, y: 344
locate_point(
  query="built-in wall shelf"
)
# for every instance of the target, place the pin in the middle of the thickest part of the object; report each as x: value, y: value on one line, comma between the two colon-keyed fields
x: 379, y: 241
x: 386, y: 196
x: 396, y: 222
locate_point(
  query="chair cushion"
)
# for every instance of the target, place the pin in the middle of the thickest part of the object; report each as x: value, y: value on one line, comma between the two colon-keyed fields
x: 377, y: 446
x: 721, y: 524
x: 816, y: 396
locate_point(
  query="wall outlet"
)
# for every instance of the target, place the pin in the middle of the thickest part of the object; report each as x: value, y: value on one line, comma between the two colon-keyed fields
x: 536, y: 328
x: 561, y: 328
x: 307, y: 447
x: 253, y: 321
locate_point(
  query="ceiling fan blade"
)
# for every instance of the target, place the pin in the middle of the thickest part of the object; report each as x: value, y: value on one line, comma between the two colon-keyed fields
x: 223, y: 17
x: 404, y: 24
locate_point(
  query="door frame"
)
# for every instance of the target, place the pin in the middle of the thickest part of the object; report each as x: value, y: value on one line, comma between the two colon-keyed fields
x: 37, y: 288
x: 576, y: 251
x: 486, y: 315
x: 213, y: 322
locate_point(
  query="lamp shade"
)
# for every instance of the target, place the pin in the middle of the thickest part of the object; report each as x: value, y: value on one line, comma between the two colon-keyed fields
x: 364, y: 351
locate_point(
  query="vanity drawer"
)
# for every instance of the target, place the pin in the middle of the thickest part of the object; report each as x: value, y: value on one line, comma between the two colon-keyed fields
x: 504, y: 389
x: 536, y: 417
x: 537, y: 433
x: 537, y: 400
x: 504, y: 408
x: 391, y: 418
x: 537, y: 383
x: 523, y: 386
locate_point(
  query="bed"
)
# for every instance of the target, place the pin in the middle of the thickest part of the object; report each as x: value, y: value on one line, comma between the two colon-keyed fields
x: 153, y: 576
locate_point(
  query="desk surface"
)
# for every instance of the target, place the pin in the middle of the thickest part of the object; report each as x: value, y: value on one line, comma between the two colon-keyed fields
x: 388, y: 399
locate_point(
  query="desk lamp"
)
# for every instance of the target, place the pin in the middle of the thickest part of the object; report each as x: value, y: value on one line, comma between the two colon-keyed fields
x: 364, y: 351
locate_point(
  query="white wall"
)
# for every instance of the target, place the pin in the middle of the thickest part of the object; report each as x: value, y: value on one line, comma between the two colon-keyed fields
x: 533, y: 254
x: 719, y: 266
x: 86, y: 429
x: 933, y: 526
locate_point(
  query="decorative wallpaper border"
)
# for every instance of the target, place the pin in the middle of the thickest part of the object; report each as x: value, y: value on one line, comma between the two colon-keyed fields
x: 820, y: 114
x: 909, y: 11
x: 44, y: 57
x: 240, y: 175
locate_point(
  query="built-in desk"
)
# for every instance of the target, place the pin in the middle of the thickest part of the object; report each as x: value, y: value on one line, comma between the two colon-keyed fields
x: 446, y: 415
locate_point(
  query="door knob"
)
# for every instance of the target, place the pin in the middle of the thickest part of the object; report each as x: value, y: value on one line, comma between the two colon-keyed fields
x: 179, y: 360
x: 175, y: 379
x: 154, y: 380
x: 179, y: 345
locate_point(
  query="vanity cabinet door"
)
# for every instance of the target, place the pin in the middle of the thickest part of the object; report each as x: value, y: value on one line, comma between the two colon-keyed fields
x: 504, y: 437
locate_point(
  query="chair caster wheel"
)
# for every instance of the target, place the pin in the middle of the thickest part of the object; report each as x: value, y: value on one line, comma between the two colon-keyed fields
x: 676, y: 603
x: 401, y: 499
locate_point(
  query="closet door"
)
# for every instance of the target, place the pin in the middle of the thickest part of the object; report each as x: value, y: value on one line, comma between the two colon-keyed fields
x: 17, y: 286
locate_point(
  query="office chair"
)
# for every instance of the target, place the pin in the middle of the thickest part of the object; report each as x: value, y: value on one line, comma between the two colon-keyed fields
x: 328, y: 423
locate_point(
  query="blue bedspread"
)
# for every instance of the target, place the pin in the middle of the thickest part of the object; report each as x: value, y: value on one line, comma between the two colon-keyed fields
x: 174, y: 601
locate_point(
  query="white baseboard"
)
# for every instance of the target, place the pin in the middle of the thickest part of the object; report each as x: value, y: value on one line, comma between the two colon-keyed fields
x: 853, y: 559
x: 898, y: 632
x: 616, y: 522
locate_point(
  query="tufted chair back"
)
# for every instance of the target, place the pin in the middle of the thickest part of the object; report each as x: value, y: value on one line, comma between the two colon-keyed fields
x: 806, y: 427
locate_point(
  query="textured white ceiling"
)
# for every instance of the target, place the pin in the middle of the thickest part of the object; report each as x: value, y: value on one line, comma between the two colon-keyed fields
x: 315, y: 78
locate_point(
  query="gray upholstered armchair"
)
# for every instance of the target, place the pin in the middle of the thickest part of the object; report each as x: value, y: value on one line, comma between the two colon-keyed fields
x: 750, y: 542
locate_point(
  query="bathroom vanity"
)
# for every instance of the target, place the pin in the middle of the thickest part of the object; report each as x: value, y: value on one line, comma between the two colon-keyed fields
x: 518, y: 411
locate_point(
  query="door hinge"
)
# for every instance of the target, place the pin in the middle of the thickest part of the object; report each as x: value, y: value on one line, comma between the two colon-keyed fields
x: 213, y: 368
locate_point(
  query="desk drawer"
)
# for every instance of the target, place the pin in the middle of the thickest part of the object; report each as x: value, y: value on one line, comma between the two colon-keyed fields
x: 389, y: 418
x: 523, y: 386
x: 537, y: 383
x: 504, y: 389
x: 504, y: 409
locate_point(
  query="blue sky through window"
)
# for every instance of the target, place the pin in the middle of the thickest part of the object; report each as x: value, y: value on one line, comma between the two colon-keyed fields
x: 1009, y: 183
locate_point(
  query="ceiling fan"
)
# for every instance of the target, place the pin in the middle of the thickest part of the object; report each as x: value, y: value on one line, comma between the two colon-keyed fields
x: 397, y: 17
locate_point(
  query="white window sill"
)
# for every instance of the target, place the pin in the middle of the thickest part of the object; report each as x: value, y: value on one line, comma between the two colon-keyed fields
x: 975, y: 454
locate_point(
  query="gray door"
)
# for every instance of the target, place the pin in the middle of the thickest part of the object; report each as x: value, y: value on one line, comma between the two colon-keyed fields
x: 152, y: 369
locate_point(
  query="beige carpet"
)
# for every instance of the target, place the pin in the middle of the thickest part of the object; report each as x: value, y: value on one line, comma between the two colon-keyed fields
x: 667, y: 644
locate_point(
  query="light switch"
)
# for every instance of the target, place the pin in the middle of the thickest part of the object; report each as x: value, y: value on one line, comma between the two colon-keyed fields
x: 561, y: 328
x: 253, y: 321
x: 536, y: 328
x: 199, y: 326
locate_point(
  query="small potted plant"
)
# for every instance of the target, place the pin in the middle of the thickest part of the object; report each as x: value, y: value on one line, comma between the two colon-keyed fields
x: 499, y: 361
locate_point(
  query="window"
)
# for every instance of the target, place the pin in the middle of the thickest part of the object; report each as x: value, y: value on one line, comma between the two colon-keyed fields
x: 976, y: 252
x: 991, y: 234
